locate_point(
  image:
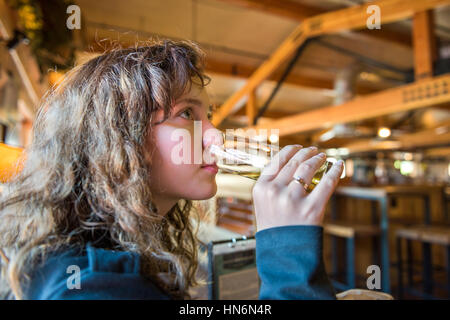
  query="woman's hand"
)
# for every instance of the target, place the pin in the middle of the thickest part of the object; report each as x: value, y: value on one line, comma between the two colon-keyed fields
x: 279, y: 200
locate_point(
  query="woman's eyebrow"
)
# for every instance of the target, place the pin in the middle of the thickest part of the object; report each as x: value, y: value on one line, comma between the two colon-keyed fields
x: 192, y: 101
x: 196, y: 102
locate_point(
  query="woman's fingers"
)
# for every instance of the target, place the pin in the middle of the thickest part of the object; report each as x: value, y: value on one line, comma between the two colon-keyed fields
x: 306, y: 172
x: 278, y: 162
x: 323, y: 191
x: 287, y: 172
x: 296, y: 209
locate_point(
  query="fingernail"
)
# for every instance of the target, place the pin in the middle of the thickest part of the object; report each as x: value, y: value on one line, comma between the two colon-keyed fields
x: 313, y: 148
x: 322, y: 155
x: 340, y: 163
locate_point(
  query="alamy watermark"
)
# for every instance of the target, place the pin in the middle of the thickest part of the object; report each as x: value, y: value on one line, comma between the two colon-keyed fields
x: 374, y: 281
x: 74, y: 280
x: 74, y: 20
x: 374, y: 21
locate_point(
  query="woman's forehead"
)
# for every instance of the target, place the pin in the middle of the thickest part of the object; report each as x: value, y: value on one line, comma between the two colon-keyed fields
x: 197, y: 96
x: 195, y: 92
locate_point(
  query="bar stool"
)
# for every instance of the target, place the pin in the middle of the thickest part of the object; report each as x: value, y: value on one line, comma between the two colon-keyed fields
x: 349, y: 231
x: 427, y: 235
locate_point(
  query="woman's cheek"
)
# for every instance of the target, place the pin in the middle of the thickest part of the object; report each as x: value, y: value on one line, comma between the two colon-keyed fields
x: 177, y: 154
x: 176, y: 143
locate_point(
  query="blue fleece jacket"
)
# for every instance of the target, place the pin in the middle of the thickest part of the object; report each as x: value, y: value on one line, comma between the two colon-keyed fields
x: 289, y: 262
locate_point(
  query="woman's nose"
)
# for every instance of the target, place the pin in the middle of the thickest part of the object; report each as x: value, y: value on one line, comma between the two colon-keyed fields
x: 212, y: 136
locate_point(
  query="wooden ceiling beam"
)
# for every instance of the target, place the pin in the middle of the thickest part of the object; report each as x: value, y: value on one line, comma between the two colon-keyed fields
x: 261, y: 74
x: 426, y: 93
x: 424, y: 42
x: 244, y: 71
x: 251, y: 108
x: 276, y: 114
x: 284, y: 8
x: 421, y: 139
x: 299, y: 12
x: 355, y: 18
x: 327, y: 23
x: 234, y: 69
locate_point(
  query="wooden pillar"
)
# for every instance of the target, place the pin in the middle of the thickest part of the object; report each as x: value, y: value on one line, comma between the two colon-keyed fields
x: 424, y: 42
x: 251, y: 107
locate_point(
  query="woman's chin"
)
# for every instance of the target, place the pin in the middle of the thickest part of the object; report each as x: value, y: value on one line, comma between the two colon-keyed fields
x: 204, y: 193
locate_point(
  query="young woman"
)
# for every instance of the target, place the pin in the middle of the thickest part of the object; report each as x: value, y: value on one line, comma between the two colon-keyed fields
x: 100, y: 194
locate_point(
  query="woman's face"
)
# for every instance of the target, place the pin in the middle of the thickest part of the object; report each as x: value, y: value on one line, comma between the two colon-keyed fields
x: 176, y: 171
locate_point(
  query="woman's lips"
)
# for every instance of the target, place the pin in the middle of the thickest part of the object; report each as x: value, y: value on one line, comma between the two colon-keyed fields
x: 211, y: 168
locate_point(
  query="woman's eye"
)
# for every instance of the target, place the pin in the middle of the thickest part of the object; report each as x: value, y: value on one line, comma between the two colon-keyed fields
x: 210, y: 116
x: 187, y: 114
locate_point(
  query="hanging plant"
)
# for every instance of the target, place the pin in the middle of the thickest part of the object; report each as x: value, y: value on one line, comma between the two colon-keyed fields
x: 44, y: 23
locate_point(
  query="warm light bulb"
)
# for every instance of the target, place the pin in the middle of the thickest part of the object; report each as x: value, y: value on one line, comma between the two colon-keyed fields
x: 384, y: 132
x: 273, y: 138
x: 408, y: 156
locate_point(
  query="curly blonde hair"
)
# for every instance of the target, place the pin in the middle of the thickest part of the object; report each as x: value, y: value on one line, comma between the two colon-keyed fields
x: 85, y: 177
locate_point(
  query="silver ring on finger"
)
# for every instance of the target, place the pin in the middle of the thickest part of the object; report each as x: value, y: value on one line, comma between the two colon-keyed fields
x: 301, y: 182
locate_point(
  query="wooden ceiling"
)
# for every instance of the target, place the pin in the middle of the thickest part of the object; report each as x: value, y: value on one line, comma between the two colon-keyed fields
x: 239, y: 35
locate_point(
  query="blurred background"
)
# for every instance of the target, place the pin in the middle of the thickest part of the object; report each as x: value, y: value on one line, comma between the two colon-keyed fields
x: 378, y: 98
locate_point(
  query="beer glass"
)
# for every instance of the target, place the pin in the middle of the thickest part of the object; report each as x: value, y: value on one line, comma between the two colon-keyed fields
x: 247, y: 157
